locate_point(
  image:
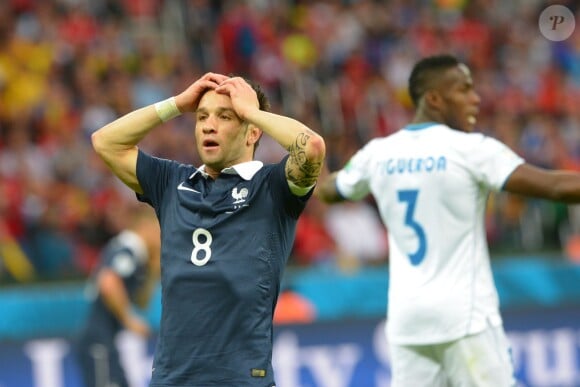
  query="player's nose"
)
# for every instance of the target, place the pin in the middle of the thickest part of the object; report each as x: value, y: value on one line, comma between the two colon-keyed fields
x: 475, y: 98
x: 209, y: 125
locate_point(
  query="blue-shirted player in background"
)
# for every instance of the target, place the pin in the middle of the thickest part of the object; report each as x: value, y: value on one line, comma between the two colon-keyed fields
x: 430, y: 181
x: 123, y: 283
x: 227, y: 227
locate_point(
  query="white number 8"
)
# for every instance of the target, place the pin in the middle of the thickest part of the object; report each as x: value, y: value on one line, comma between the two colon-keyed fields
x: 199, y: 245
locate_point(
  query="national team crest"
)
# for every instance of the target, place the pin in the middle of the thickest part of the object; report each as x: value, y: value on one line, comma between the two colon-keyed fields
x: 239, y: 196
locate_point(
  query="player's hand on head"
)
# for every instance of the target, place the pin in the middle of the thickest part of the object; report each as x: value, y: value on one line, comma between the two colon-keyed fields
x: 243, y: 96
x: 188, y: 100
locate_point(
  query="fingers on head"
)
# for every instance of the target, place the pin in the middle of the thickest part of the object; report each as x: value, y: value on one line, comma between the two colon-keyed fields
x: 218, y: 78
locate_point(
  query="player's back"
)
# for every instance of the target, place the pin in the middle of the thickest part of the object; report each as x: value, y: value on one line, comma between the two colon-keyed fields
x: 431, y: 184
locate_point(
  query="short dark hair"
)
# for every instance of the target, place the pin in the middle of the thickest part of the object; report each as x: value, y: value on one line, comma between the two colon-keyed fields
x: 263, y: 102
x: 262, y: 97
x: 425, y: 71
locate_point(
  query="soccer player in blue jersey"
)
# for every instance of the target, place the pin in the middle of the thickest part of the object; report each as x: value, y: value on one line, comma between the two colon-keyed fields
x: 123, y: 281
x: 431, y: 180
x: 227, y: 226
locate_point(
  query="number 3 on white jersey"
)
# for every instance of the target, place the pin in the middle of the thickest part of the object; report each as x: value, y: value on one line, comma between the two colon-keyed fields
x: 201, y: 246
x: 410, y: 197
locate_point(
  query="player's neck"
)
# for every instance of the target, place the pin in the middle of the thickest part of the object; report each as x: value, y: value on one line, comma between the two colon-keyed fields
x: 422, y: 117
x: 212, y: 173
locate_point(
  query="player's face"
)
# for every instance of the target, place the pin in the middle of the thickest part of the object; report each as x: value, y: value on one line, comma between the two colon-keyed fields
x: 221, y: 135
x: 460, y: 101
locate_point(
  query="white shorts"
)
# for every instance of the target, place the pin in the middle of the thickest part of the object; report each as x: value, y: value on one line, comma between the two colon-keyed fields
x: 482, y: 360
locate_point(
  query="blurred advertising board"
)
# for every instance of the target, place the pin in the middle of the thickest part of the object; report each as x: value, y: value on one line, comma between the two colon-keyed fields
x: 545, y: 345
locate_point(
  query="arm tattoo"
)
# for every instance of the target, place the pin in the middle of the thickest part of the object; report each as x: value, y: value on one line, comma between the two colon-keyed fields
x: 299, y: 169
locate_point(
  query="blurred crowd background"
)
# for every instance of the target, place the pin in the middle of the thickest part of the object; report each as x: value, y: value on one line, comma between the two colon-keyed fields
x: 67, y: 67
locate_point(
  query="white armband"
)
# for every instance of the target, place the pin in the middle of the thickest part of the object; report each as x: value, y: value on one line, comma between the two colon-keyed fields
x: 167, y: 109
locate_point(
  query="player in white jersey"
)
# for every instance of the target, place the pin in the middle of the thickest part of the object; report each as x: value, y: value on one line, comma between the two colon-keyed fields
x: 431, y: 180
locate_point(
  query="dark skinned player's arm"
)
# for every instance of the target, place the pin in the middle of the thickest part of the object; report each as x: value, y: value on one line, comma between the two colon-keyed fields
x: 556, y: 185
x: 526, y: 180
x: 326, y: 190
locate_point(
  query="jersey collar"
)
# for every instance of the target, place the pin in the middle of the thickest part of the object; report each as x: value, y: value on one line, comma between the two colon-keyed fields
x: 246, y: 170
x: 420, y: 125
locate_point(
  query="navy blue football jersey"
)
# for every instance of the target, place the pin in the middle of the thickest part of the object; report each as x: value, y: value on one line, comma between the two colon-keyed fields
x: 126, y: 255
x: 97, y: 354
x: 225, y: 243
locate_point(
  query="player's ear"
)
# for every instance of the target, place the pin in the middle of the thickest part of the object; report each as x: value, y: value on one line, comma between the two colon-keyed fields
x: 433, y: 99
x: 253, y: 135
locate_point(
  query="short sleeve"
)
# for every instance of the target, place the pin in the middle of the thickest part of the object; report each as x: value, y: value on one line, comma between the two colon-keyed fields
x: 123, y: 263
x: 154, y: 174
x: 493, y: 162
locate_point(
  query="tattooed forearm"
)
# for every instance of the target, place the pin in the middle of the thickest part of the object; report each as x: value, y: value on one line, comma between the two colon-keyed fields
x: 300, y: 169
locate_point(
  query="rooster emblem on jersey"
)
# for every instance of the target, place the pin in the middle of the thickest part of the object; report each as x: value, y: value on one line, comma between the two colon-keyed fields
x: 239, y: 196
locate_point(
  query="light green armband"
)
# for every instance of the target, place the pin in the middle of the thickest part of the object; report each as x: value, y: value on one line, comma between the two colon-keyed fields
x: 299, y: 191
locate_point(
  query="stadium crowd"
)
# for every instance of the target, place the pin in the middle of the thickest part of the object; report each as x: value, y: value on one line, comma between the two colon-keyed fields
x: 67, y: 67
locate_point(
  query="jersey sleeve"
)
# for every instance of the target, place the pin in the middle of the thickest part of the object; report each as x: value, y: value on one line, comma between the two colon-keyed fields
x: 353, y: 181
x: 493, y: 162
x: 123, y: 263
x: 154, y: 174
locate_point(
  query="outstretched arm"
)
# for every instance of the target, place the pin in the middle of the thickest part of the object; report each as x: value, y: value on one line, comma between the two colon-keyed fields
x: 117, y: 141
x: 307, y: 149
x: 327, y: 191
x: 558, y: 185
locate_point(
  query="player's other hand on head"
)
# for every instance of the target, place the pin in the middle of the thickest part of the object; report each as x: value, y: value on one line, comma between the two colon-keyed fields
x: 188, y: 100
x: 243, y: 96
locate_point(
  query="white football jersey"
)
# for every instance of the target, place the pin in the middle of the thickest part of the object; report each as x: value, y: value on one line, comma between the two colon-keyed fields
x: 431, y: 185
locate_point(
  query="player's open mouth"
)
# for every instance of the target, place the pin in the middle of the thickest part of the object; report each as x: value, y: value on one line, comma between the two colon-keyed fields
x: 472, y: 120
x: 209, y: 144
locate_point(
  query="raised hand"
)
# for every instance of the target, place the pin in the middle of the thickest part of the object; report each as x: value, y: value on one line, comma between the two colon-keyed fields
x: 188, y: 100
x: 243, y: 96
